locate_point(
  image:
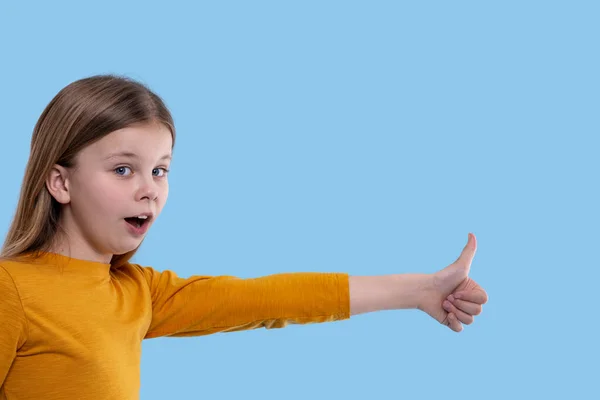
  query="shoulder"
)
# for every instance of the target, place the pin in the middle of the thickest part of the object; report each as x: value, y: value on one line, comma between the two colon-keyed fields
x: 151, y: 276
x: 15, y: 326
x: 136, y: 274
x: 139, y: 278
x: 10, y: 271
x: 6, y: 278
x: 9, y: 286
x: 148, y: 272
x: 20, y: 282
x: 137, y: 270
x: 21, y: 272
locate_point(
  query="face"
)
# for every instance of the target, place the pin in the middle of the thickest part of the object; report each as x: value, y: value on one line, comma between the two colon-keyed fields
x: 113, y: 181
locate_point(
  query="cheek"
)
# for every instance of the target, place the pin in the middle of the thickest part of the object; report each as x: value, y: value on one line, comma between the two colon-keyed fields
x: 99, y: 197
x: 112, y: 196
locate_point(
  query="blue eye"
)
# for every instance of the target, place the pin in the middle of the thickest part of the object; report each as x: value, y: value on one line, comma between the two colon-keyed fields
x: 121, y: 170
x: 156, y: 172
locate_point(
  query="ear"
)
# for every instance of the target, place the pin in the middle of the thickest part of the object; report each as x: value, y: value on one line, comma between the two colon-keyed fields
x: 58, y: 183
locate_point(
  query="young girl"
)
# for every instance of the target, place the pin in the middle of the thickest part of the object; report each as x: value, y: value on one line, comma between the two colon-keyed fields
x: 74, y: 310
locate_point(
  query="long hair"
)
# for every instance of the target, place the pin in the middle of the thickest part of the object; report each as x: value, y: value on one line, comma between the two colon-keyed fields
x: 80, y: 114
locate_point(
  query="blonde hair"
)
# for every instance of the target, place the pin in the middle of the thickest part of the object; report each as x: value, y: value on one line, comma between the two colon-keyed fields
x: 80, y: 114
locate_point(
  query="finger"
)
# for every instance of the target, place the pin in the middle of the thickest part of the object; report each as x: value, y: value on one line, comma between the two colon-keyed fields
x: 466, y: 306
x: 453, y: 323
x: 463, y: 317
x: 474, y: 296
x: 466, y: 257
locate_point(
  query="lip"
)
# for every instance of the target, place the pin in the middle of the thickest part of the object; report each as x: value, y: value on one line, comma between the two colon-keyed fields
x: 139, y: 231
x: 146, y: 214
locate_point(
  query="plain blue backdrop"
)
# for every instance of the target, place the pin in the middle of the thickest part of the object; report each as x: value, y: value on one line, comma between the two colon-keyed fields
x: 359, y: 137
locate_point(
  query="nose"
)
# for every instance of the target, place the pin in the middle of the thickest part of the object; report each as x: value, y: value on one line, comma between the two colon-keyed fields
x: 148, y: 190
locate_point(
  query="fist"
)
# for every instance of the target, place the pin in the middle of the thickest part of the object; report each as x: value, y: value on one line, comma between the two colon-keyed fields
x: 451, y: 297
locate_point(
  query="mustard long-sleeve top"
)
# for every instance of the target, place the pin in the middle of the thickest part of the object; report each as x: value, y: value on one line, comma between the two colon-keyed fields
x: 73, y: 329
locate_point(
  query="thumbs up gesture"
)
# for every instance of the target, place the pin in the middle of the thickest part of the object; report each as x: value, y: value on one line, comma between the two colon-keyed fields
x: 452, y: 298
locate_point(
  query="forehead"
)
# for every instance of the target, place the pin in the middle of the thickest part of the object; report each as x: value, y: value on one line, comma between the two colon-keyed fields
x: 145, y: 140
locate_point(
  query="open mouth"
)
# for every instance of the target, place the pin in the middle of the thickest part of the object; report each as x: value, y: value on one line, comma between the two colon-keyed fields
x: 137, y: 222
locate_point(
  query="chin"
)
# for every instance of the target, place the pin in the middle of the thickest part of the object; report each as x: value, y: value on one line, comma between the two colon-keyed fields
x: 126, y: 249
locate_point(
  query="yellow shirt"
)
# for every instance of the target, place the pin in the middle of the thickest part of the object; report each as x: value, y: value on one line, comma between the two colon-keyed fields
x: 72, y: 329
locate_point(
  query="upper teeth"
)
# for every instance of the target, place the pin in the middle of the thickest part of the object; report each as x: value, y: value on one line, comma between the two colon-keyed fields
x: 142, y: 216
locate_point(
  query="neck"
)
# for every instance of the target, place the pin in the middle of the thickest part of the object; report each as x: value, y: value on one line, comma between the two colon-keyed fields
x: 78, y: 249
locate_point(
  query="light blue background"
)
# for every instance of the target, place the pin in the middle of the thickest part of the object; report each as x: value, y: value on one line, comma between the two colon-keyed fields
x: 359, y: 137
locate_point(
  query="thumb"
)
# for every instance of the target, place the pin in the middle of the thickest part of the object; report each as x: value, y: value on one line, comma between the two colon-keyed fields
x: 466, y: 257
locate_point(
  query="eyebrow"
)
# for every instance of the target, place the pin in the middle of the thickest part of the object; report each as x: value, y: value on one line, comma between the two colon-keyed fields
x: 132, y: 155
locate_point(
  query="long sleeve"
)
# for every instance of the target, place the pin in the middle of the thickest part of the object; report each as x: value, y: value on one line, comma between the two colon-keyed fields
x: 201, y: 305
x: 13, y: 325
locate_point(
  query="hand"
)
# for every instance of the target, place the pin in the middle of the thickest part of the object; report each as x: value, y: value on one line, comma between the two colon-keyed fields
x: 451, y: 297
